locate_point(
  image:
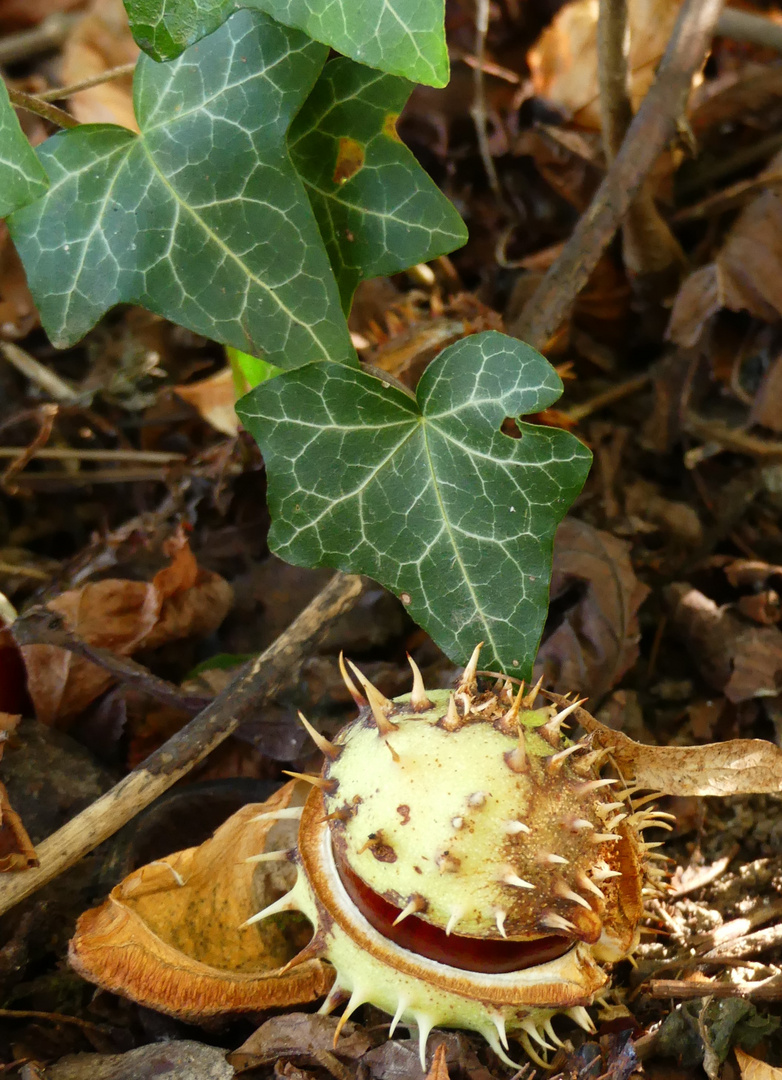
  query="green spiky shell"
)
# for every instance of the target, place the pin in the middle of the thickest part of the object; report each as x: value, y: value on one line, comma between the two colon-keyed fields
x: 447, y: 820
x: 479, y: 816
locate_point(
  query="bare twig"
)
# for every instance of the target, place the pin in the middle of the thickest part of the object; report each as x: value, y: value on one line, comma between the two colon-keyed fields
x: 616, y: 111
x: 39, y: 373
x: 259, y: 680
x: 40, y: 626
x: 45, y: 417
x: 653, y: 126
x: 32, y: 572
x: 49, y: 34
x: 728, y: 438
x: 730, y: 198
x: 652, y: 255
x: 42, y: 108
x: 479, y: 100
x: 766, y: 990
x: 62, y: 92
x: 608, y: 397
x: 59, y: 481
x: 68, y: 453
x: 748, y: 26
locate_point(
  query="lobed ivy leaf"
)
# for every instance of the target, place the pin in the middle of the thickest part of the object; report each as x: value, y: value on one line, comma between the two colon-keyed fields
x: 404, y: 37
x: 202, y: 217
x: 22, y: 177
x: 377, y: 209
x: 427, y: 494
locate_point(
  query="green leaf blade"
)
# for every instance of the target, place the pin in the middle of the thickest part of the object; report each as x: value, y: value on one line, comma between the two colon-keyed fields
x: 402, y: 37
x: 378, y: 212
x: 429, y: 496
x: 22, y: 177
x: 202, y: 218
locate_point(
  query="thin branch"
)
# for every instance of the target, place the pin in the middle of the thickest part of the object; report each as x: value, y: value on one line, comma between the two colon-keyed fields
x: 11, y: 569
x: 683, y: 989
x: 45, y: 417
x: 652, y: 255
x: 479, y: 100
x: 62, y: 92
x: 608, y: 397
x: 49, y: 480
x: 55, y: 116
x: 70, y: 453
x: 616, y: 111
x: 653, y: 126
x: 255, y: 684
x: 39, y: 374
x: 48, y: 35
x: 751, y: 27
x: 40, y: 626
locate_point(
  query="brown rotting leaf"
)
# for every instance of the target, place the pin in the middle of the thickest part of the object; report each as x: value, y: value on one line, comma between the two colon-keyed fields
x: 124, y: 616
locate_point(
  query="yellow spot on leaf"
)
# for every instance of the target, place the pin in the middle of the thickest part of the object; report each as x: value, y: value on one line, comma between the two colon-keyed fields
x: 389, y: 126
x: 350, y: 158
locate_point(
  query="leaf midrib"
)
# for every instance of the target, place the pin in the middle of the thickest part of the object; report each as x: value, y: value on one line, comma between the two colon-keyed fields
x: 454, y: 545
x: 228, y: 252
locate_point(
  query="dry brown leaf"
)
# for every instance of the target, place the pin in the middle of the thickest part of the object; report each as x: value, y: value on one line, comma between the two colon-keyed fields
x: 736, y: 767
x: 8, y: 725
x: 301, y: 1036
x: 172, y: 1060
x: 170, y: 937
x: 745, y: 274
x: 182, y: 600
x: 596, y: 640
x: 18, y: 314
x: 16, y: 849
x: 736, y: 656
x: 439, y: 1069
x: 98, y: 42
x: 22, y: 14
x: 765, y: 408
x: 563, y: 60
x: 214, y: 399
x: 752, y: 1069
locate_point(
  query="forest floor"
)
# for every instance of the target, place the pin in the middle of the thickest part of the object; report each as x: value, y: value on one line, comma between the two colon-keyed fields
x: 123, y: 462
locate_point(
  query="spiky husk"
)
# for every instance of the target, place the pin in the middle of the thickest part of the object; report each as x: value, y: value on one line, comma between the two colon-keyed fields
x: 472, y: 818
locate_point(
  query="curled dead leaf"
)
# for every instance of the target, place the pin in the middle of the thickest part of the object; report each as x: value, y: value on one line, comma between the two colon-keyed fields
x: 592, y: 635
x: 169, y: 936
x: 752, y: 1069
x: 302, y: 1037
x: 214, y: 398
x: 735, y: 767
x: 99, y: 42
x: 733, y: 654
x: 744, y: 276
x: 182, y: 600
x: 563, y: 60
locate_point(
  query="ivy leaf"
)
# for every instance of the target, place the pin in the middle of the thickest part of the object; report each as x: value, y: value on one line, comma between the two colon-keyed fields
x: 427, y: 494
x: 404, y: 37
x: 377, y: 209
x: 22, y: 178
x: 201, y: 218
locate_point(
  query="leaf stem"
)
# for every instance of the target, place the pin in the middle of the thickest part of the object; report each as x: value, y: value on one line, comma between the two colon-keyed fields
x: 59, y: 93
x: 41, y: 108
